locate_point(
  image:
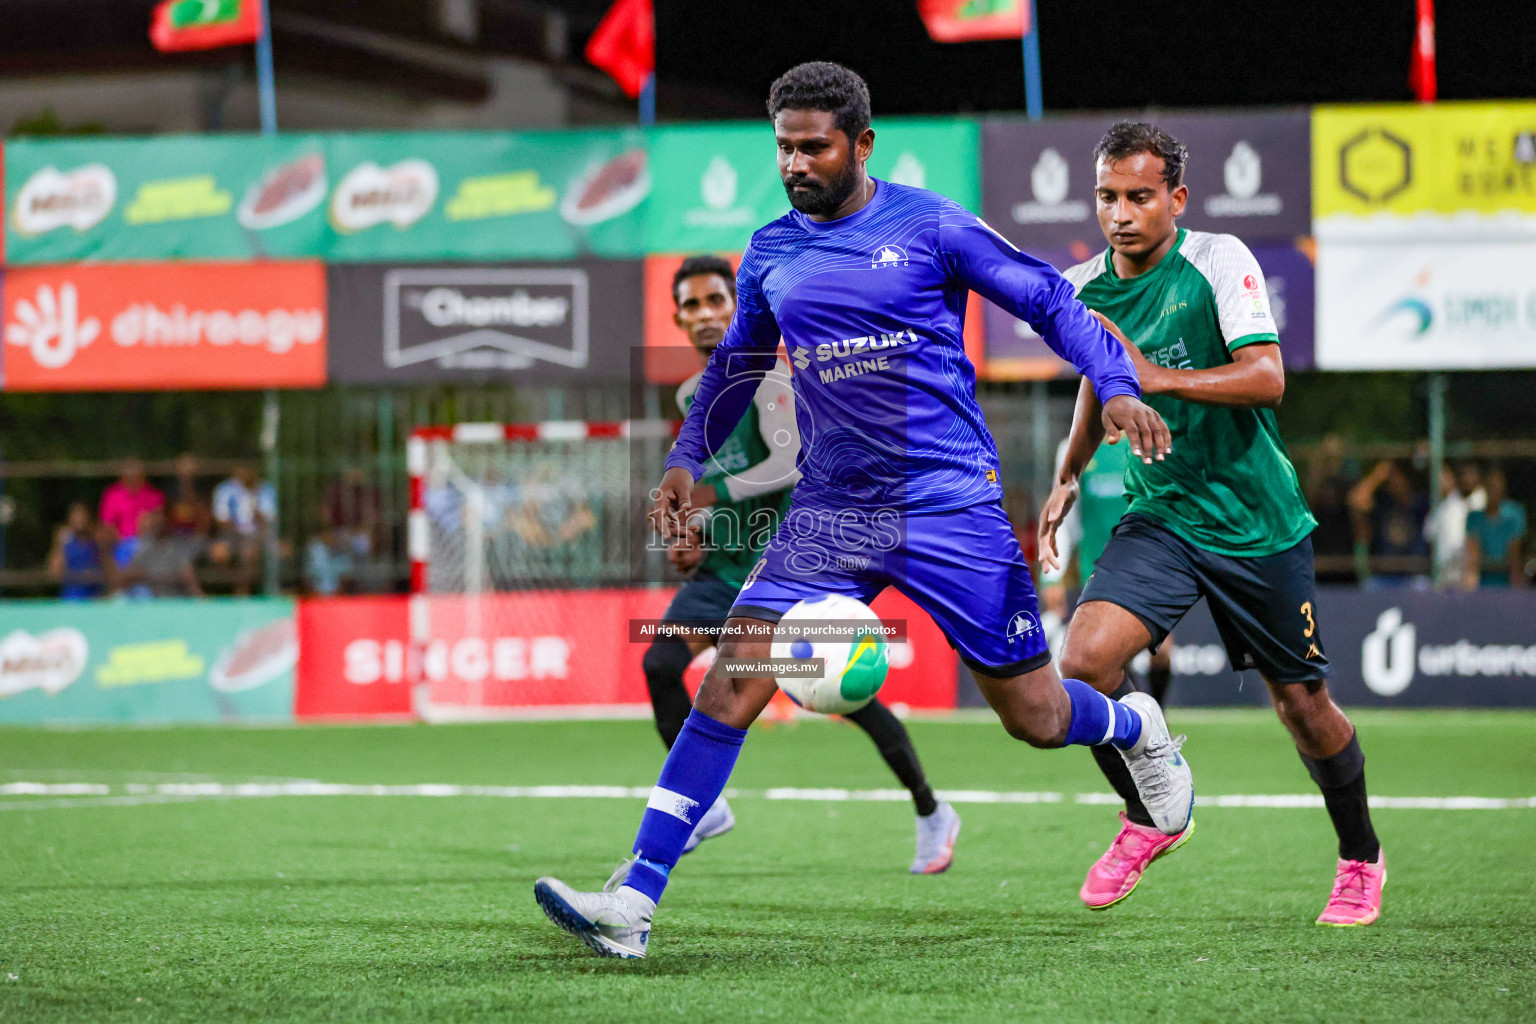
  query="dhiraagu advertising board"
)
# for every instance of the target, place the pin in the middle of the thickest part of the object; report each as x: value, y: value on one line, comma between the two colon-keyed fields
x: 170, y: 660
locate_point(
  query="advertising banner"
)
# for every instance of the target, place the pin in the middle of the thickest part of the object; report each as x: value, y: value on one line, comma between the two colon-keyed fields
x: 722, y: 182
x: 534, y: 652
x: 169, y: 660
x: 173, y: 197
x: 487, y: 196
x: 135, y: 327
x: 1426, y: 306
x: 1247, y: 176
x: 1389, y: 648
x: 1425, y: 173
x: 555, y: 322
x: 342, y: 197
x: 1016, y: 352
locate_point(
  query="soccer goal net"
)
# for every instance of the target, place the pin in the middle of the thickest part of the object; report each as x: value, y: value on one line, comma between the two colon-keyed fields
x: 525, y: 540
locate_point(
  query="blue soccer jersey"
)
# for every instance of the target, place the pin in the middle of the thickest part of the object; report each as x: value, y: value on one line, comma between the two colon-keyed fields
x: 871, y: 309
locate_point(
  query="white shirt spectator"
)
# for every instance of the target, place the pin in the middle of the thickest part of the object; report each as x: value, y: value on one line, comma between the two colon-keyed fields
x: 244, y: 509
x: 1446, y: 531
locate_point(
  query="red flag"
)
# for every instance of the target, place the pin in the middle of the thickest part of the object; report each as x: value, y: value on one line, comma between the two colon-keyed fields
x: 964, y: 21
x: 624, y: 44
x: 1421, y: 67
x: 204, y: 24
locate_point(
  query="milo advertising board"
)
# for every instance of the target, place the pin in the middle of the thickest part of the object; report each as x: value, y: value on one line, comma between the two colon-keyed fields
x: 209, y: 197
x: 483, y: 196
x: 168, y: 660
x: 339, y: 197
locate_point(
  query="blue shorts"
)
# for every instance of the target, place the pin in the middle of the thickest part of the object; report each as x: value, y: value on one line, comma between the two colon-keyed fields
x: 964, y: 568
x: 1265, y: 607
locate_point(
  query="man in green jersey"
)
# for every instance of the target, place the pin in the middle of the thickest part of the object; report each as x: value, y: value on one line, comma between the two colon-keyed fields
x: 739, y: 502
x: 1220, y: 517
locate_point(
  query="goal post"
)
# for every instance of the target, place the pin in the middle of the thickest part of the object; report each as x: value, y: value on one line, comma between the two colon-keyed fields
x: 528, y: 550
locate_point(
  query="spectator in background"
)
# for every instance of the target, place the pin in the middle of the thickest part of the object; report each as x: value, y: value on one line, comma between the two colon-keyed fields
x: 1446, y: 531
x: 355, y: 511
x: 244, y: 508
x: 79, y: 558
x: 1389, y: 514
x: 1496, y: 537
x: 162, y: 563
x: 1328, y: 486
x: 1469, y: 480
x: 124, y: 503
x: 328, y: 563
x: 187, y: 511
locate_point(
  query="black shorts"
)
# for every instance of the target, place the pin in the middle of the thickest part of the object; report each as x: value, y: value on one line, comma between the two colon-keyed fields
x: 1264, y: 607
x: 702, y: 602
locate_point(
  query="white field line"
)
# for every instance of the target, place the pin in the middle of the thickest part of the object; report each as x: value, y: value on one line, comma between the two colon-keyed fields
x: 97, y: 794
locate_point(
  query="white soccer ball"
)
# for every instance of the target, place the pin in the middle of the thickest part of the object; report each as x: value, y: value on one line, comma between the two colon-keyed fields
x: 854, y: 661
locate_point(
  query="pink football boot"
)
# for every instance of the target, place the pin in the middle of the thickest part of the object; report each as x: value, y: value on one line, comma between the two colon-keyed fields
x: 1356, y: 898
x: 1115, y: 875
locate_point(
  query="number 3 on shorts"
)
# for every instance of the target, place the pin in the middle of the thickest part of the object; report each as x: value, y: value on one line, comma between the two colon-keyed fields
x: 1306, y: 609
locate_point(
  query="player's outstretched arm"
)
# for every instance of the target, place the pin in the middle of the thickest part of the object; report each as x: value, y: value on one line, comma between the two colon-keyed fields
x: 1034, y: 291
x: 1083, y: 440
x: 1255, y: 379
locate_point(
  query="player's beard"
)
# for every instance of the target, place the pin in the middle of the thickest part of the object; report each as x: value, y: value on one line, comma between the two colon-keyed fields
x: 821, y: 200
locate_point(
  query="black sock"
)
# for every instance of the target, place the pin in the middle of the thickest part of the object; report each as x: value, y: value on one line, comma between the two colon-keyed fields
x: 895, y: 746
x: 1158, y: 678
x: 1119, y: 776
x: 1342, y: 780
x: 664, y: 663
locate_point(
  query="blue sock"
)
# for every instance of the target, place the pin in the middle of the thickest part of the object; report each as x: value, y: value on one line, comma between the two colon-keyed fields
x: 691, y: 781
x: 1097, y: 720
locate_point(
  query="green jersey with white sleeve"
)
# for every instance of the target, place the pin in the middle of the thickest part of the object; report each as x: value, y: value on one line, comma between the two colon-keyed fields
x: 1228, y: 486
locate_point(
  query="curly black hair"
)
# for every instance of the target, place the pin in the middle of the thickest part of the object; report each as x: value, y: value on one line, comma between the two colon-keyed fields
x: 1127, y: 138
x: 698, y: 266
x: 820, y: 85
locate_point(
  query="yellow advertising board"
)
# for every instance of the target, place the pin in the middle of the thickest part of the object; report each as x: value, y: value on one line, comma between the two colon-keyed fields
x: 1467, y: 169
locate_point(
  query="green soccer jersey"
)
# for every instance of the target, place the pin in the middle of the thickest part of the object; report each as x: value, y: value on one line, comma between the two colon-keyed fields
x: 753, y: 474
x: 1228, y: 486
x: 1100, y: 503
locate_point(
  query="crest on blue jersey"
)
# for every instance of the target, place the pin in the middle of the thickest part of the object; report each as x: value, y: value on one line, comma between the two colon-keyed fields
x: 888, y: 256
x: 1021, y: 624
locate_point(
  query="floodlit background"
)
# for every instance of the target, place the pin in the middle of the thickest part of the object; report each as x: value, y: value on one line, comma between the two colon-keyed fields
x: 338, y: 358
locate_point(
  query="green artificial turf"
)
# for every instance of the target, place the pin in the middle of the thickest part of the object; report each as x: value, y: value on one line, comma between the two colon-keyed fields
x: 343, y: 908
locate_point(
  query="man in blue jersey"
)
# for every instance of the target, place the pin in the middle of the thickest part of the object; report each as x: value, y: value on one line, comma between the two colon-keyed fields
x: 867, y: 281
x: 741, y: 499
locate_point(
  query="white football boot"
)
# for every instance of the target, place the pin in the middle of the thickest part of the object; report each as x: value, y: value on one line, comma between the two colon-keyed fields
x: 717, y: 821
x: 936, y: 835
x: 615, y: 922
x: 1162, y: 776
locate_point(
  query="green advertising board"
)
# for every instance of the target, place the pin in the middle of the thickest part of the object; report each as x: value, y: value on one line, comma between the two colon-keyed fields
x: 172, y: 660
x: 340, y: 197
x: 721, y: 182
x: 176, y: 197
x: 487, y: 196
